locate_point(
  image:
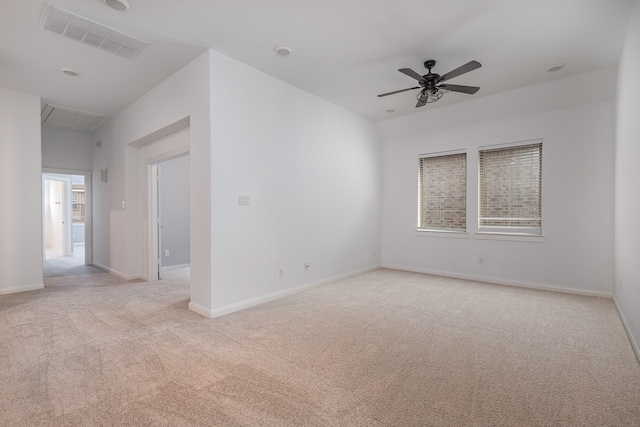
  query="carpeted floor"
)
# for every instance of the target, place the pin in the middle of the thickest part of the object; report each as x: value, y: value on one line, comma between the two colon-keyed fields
x: 386, y: 348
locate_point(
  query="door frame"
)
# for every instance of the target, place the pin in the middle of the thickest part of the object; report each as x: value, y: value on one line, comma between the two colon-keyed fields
x: 152, y: 149
x: 88, y: 224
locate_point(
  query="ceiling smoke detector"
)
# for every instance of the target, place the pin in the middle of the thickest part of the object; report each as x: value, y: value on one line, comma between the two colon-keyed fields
x: 69, y: 72
x: 117, y: 4
x: 556, y: 67
x: 283, y: 50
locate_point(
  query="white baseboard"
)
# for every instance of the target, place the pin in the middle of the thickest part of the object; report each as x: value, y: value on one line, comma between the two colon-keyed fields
x: 116, y: 272
x: 273, y: 296
x: 34, y: 287
x: 175, y: 267
x: 200, y: 310
x: 499, y: 281
x: 634, y: 344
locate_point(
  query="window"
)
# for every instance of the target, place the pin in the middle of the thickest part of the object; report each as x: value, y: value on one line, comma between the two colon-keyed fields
x: 510, y: 189
x: 77, y: 203
x: 443, y: 192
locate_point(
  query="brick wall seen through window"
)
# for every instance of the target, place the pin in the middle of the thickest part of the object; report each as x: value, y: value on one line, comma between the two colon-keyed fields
x: 443, y: 192
x: 510, y: 189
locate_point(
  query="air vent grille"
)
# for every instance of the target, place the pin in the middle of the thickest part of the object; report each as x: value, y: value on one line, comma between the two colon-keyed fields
x: 67, y: 24
x: 53, y: 115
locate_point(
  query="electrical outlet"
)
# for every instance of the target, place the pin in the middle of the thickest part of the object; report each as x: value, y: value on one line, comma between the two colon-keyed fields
x: 481, y: 260
x: 166, y: 252
x: 281, y: 272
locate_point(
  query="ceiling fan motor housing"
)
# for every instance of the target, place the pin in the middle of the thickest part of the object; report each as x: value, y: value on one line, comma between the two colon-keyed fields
x: 430, y: 81
x: 430, y: 78
x: 429, y: 64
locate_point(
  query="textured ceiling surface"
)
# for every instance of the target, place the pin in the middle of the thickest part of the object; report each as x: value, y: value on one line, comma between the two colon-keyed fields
x: 346, y: 52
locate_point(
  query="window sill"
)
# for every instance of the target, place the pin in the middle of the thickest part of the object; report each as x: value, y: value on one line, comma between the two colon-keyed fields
x: 442, y: 233
x: 511, y: 237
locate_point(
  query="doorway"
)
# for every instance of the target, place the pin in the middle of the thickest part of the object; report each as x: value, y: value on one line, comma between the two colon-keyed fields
x: 154, y: 150
x: 171, y: 214
x: 66, y: 219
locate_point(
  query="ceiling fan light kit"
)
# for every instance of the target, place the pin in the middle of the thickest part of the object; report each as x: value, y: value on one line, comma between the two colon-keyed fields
x: 430, y: 83
x: 427, y: 96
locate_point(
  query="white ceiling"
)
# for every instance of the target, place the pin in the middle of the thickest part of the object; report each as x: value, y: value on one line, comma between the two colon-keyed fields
x: 345, y: 51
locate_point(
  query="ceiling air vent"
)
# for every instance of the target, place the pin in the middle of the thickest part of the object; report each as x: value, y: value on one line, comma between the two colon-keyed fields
x: 70, y: 25
x: 71, y: 119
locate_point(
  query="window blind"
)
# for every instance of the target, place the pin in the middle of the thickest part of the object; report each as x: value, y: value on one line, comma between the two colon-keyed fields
x: 510, y: 189
x: 443, y: 192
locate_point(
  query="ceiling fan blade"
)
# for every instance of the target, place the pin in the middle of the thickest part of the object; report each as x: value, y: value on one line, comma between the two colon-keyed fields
x: 420, y: 103
x: 459, y: 88
x: 469, y: 66
x: 409, y: 72
x: 398, y: 91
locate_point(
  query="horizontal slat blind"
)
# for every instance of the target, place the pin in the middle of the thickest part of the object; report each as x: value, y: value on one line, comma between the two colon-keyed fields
x: 443, y: 192
x: 510, y: 187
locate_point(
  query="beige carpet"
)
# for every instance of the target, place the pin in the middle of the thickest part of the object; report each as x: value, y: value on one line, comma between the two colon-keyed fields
x: 386, y: 348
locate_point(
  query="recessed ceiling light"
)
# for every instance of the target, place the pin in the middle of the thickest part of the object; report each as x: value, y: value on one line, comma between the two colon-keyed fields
x: 117, y: 4
x: 556, y: 67
x: 283, y: 50
x: 69, y: 72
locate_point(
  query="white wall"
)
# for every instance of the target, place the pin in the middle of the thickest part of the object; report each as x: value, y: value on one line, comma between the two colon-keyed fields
x: 119, y: 233
x: 20, y: 192
x: 174, y: 211
x: 312, y: 171
x: 66, y: 149
x: 577, y: 204
x: 627, y: 180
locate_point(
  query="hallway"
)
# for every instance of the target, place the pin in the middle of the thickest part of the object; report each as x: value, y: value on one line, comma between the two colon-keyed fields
x: 58, y: 270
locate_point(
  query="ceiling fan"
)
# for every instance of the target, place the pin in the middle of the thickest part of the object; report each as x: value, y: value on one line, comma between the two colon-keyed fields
x: 430, y: 82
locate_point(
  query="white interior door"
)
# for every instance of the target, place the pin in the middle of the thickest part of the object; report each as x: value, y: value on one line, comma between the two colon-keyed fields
x: 56, y: 222
x: 156, y: 223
